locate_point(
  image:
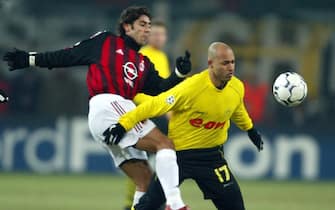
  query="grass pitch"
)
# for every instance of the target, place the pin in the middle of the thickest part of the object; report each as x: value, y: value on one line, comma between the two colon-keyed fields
x: 103, y: 192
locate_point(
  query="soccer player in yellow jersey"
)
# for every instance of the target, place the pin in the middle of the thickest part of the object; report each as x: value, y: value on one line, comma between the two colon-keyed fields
x: 203, y: 107
x: 155, y: 46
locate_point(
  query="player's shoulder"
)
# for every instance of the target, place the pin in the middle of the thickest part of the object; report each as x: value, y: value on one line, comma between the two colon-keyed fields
x: 97, y: 37
x: 145, y: 51
x: 145, y: 48
x: 194, y: 84
x: 151, y: 52
x: 101, y: 34
x: 196, y: 78
x: 236, y: 81
x: 237, y: 85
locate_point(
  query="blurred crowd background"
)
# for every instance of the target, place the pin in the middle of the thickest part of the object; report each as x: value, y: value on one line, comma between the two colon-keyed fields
x: 269, y: 37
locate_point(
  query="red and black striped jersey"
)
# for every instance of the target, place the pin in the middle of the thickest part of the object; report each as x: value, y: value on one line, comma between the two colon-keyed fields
x: 115, y: 66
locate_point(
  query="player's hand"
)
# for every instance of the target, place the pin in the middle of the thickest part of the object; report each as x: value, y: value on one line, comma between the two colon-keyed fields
x: 3, y: 97
x: 114, y: 134
x: 256, y: 138
x: 16, y: 59
x: 184, y: 64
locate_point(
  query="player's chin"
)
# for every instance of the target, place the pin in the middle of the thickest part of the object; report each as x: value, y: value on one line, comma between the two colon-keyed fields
x: 229, y: 76
x: 144, y: 41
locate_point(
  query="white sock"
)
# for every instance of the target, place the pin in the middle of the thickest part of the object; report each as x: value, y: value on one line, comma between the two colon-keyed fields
x: 168, y: 174
x: 137, y: 196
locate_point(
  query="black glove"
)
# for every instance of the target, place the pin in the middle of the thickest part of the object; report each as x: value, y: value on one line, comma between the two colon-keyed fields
x: 183, y: 64
x: 3, y: 97
x: 114, y: 134
x: 17, y: 59
x: 256, y: 138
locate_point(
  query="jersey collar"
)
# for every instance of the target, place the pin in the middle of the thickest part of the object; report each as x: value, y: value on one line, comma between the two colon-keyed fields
x: 211, y: 85
x: 130, y: 42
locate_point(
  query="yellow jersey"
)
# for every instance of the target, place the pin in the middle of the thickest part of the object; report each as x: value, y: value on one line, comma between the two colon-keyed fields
x: 201, y: 112
x: 158, y: 58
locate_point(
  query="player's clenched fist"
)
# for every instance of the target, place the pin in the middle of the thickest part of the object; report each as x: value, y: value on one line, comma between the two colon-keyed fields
x: 184, y: 64
x: 114, y: 134
x: 17, y: 59
x: 256, y: 138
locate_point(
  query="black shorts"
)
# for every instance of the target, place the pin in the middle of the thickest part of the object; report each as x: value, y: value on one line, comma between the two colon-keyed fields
x: 209, y: 169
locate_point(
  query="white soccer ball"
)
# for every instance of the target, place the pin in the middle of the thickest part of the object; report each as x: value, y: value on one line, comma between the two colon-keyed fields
x: 289, y: 89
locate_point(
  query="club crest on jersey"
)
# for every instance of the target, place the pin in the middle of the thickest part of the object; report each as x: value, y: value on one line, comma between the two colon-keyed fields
x: 170, y: 100
x: 130, y: 72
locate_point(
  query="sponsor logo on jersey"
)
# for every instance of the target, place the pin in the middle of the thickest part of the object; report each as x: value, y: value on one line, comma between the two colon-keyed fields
x: 130, y: 72
x: 200, y: 123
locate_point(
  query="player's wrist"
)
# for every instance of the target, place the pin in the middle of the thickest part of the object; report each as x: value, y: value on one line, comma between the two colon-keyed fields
x: 251, y: 129
x: 123, y: 123
x: 180, y: 75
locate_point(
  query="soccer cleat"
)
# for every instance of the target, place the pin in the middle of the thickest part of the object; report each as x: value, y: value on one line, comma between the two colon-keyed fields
x: 183, y: 208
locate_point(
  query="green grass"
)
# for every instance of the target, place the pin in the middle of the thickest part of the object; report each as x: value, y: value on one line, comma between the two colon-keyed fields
x: 102, y: 192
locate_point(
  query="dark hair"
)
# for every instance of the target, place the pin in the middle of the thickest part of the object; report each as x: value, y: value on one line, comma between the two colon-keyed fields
x: 130, y: 14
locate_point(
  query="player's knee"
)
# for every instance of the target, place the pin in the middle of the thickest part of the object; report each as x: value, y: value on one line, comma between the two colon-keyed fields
x: 165, y: 143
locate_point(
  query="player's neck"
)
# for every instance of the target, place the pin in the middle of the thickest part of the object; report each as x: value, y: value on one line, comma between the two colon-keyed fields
x: 130, y: 42
x: 219, y: 84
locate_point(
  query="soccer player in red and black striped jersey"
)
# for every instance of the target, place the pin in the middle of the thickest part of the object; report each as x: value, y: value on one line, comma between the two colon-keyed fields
x: 117, y: 72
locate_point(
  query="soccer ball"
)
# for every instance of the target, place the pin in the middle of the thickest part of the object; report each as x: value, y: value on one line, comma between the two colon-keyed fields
x: 289, y: 89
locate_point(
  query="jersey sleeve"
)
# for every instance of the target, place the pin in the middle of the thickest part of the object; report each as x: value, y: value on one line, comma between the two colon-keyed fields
x: 140, y: 98
x: 240, y: 116
x: 83, y: 53
x: 155, y: 84
x: 174, y: 99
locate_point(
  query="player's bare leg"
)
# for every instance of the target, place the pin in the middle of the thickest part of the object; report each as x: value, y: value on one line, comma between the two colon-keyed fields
x: 166, y: 165
x: 140, y: 173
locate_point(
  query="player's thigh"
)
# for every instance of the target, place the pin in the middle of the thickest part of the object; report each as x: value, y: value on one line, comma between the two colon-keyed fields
x: 219, y: 184
x: 105, y: 110
x: 154, y: 141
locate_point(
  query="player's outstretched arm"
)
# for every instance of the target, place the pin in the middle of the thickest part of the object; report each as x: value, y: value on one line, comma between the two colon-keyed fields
x: 170, y: 100
x: 115, y: 132
x: 156, y: 84
x: 83, y: 53
x: 20, y: 59
x: 243, y: 121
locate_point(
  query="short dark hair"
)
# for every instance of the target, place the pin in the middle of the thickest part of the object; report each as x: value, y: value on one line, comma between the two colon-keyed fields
x: 130, y: 15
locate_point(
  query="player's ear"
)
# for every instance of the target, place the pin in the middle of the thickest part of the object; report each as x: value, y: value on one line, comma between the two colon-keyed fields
x: 127, y: 27
x: 210, y: 62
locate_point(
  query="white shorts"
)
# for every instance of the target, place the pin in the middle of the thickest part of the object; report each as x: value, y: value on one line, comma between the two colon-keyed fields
x: 105, y: 110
